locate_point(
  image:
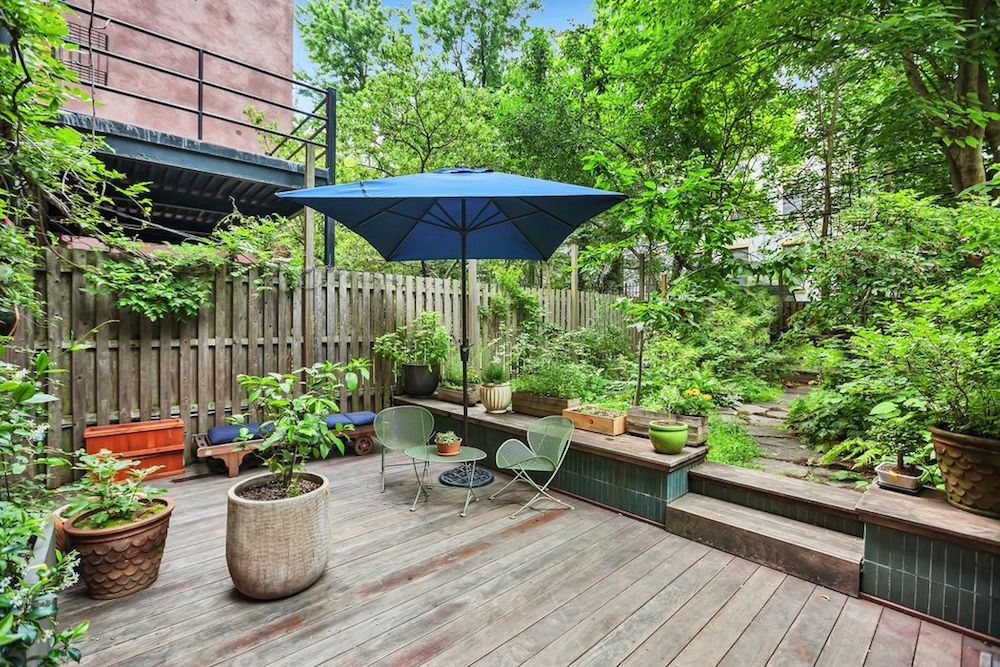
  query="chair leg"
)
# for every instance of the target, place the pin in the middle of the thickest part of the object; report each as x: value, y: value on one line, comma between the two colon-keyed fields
x: 383, y: 468
x: 542, y: 492
x: 507, y: 485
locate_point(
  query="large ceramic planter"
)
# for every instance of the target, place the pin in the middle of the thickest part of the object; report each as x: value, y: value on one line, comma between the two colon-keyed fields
x: 119, y: 561
x: 277, y: 548
x: 668, y: 437
x: 541, y: 406
x: 455, y: 395
x: 495, y: 397
x: 970, y: 467
x: 420, y: 380
x: 10, y: 319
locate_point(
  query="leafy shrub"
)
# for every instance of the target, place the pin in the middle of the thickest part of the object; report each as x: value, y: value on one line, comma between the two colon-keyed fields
x: 28, y: 595
x: 827, y: 416
x: 112, y: 489
x: 494, y: 373
x: 560, y: 379
x: 423, y: 342
x: 735, y: 341
x: 690, y: 401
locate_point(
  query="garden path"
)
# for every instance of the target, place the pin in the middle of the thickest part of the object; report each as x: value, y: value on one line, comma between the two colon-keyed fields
x: 784, y: 453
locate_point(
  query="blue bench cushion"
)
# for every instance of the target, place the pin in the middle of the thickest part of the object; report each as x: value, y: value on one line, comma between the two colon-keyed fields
x: 221, y: 435
x: 355, y: 418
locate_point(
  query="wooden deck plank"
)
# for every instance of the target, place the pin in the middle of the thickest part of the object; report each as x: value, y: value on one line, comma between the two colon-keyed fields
x: 852, y: 635
x: 807, y: 635
x: 426, y: 587
x: 761, y: 637
x: 937, y: 646
x: 674, y: 634
x: 895, y: 640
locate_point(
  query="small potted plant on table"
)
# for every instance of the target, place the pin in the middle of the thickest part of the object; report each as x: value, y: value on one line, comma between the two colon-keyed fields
x: 118, y: 526
x: 494, y: 391
x: 417, y: 350
x: 448, y: 444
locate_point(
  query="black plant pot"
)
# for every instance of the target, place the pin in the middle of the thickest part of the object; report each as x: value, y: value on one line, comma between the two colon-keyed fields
x: 420, y: 380
x: 10, y: 318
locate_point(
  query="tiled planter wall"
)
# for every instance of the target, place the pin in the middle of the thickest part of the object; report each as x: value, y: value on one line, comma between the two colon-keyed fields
x: 947, y: 581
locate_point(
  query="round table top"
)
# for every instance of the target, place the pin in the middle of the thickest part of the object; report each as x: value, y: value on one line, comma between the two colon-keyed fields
x: 429, y: 453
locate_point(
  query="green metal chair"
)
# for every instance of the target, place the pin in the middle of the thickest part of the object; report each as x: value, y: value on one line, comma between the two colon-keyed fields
x: 400, y: 428
x: 548, y: 442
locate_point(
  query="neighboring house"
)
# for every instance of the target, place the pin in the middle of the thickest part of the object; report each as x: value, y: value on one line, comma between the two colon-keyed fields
x: 174, y: 37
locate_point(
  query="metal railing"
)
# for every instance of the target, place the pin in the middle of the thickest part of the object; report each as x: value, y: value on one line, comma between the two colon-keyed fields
x: 323, y: 137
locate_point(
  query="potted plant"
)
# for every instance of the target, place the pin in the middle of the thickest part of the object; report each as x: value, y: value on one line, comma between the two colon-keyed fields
x: 597, y: 419
x: 898, y: 435
x: 448, y: 444
x: 450, y: 388
x: 668, y: 436
x: 548, y: 389
x: 690, y: 406
x: 494, y: 391
x: 278, y: 523
x: 118, y: 525
x: 416, y: 351
x: 946, y: 347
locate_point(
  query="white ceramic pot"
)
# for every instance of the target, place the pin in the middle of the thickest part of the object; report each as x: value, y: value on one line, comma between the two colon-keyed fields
x: 276, y: 548
x: 495, y: 397
x: 891, y: 478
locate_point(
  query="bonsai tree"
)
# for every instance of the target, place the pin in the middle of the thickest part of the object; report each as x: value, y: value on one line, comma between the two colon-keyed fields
x: 294, y: 406
x: 899, y: 436
x: 423, y: 342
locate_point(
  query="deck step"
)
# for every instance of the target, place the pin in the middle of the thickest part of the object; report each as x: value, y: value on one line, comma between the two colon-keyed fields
x: 822, y: 556
x: 809, y: 502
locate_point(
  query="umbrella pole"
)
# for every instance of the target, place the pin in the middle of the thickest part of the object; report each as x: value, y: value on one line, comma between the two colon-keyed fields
x: 464, y: 350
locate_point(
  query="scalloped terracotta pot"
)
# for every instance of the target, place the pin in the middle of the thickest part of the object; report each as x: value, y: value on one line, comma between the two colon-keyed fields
x: 970, y: 467
x: 119, y: 561
x: 277, y: 548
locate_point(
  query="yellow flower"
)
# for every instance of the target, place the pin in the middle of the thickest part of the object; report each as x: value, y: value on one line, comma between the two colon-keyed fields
x: 692, y: 392
x: 707, y: 397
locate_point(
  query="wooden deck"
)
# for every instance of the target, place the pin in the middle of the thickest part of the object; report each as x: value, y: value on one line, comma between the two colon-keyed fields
x: 552, y: 587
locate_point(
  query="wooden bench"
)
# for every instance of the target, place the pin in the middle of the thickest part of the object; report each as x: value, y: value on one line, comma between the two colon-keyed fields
x: 362, y: 438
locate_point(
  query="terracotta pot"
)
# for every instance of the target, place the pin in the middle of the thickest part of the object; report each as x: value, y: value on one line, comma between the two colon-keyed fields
x: 495, y: 397
x: 277, y: 548
x: 970, y: 467
x: 58, y: 520
x: 119, y: 561
x: 449, y: 448
x: 668, y: 437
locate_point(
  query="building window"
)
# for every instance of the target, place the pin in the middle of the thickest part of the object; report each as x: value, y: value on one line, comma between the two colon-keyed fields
x: 78, y: 60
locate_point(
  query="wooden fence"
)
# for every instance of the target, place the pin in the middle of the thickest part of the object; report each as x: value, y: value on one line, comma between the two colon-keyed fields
x: 135, y: 369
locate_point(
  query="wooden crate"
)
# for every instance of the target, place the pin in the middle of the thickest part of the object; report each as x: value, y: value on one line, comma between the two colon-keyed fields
x: 540, y: 406
x: 152, y: 443
x: 638, y: 420
x: 595, y: 423
x: 455, y: 395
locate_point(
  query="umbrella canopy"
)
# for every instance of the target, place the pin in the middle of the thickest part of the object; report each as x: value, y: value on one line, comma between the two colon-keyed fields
x: 426, y: 216
x: 460, y: 214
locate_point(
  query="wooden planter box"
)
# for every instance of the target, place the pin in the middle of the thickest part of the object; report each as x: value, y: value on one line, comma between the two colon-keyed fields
x: 455, y: 395
x: 540, y: 406
x: 595, y: 423
x: 152, y: 443
x: 638, y: 424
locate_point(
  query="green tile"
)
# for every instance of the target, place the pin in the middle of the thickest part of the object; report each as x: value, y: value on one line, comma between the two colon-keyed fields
x: 896, y: 585
x: 922, y: 600
x: 910, y: 553
x: 909, y: 591
x: 923, y: 563
x: 896, y: 550
x: 868, y: 579
x: 882, y: 582
x: 950, y: 612
x: 995, y: 616
x: 935, y: 606
x: 938, y: 560
x: 970, y: 570
x: 966, y: 608
x: 953, y: 565
x: 981, y: 613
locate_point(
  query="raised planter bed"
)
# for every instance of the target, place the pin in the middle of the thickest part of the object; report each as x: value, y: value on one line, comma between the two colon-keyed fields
x: 591, y: 418
x: 455, y: 395
x: 152, y: 443
x: 637, y: 423
x: 540, y: 406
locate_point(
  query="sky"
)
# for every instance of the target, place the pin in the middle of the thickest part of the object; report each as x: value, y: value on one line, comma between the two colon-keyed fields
x: 558, y: 14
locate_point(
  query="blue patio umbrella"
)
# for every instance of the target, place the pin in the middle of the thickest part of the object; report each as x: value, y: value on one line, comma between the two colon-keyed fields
x: 460, y: 214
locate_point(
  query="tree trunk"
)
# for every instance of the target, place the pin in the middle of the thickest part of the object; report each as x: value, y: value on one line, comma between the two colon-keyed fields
x: 642, y: 276
x: 638, y: 379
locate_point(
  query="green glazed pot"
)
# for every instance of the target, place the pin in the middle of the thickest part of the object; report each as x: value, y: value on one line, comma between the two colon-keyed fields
x: 668, y: 437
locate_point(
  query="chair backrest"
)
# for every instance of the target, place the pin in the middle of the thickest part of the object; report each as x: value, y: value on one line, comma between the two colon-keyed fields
x: 404, y: 426
x: 550, y: 437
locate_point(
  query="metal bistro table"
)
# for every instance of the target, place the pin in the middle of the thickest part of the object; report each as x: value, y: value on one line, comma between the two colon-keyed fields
x: 428, y: 454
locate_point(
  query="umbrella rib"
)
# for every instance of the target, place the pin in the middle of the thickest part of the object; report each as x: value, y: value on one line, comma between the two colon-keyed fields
x: 552, y: 215
x: 530, y: 242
